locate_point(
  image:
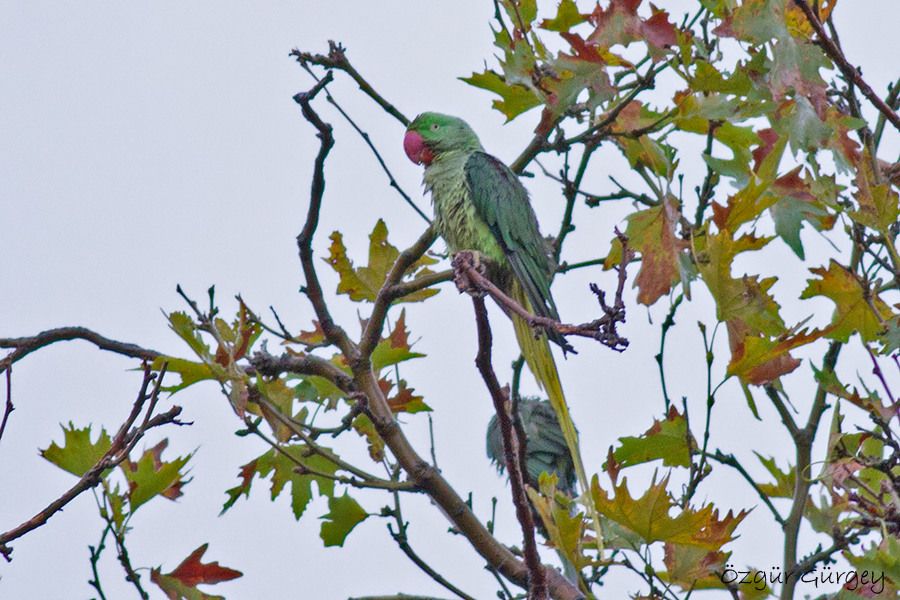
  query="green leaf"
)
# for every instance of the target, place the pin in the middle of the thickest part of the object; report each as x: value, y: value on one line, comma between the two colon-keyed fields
x: 567, y: 16
x: 879, y: 205
x: 882, y: 559
x: 363, y: 283
x: 364, y: 426
x: 784, y: 480
x: 190, y: 371
x: 150, y: 476
x: 738, y: 140
x: 395, y: 348
x: 282, y: 466
x: 648, y: 516
x: 184, y: 326
x: 515, y: 99
x: 790, y: 213
x: 78, y: 453
x: 686, y: 566
x: 344, y: 513
x: 745, y: 299
x: 281, y: 397
x: 668, y: 440
x: 564, y: 529
x: 758, y: 359
x: 857, y: 310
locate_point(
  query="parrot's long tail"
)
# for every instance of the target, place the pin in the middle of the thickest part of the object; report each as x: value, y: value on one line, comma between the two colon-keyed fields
x: 539, y: 358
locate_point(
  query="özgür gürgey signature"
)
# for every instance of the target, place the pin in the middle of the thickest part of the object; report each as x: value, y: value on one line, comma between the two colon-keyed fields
x: 850, y: 579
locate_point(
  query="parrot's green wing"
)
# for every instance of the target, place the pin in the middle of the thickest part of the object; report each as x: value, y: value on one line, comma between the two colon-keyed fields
x: 502, y: 202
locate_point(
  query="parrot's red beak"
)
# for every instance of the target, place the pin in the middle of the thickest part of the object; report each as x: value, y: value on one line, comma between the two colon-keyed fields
x: 416, y: 150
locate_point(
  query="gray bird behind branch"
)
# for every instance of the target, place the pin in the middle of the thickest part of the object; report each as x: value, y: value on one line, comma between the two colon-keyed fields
x: 545, y: 447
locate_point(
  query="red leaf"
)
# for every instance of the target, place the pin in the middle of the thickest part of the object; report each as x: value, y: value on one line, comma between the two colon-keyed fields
x: 768, y: 138
x: 192, y: 572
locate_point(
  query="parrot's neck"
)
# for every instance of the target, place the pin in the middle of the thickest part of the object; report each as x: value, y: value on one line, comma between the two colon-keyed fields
x: 446, y: 167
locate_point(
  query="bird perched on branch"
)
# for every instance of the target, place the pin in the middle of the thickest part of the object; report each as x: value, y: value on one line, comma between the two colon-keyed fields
x: 480, y: 205
x: 545, y: 446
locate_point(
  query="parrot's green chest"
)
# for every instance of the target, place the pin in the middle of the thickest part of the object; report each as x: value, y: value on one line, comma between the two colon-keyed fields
x: 455, y: 215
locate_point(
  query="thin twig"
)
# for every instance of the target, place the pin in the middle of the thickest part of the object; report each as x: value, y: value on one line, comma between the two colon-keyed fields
x: 9, y: 404
x: 731, y: 461
x: 368, y: 140
x: 667, y: 324
x: 337, y: 59
x: 95, y: 557
x: 125, y: 560
x: 783, y: 410
x: 122, y: 443
x: 402, y: 540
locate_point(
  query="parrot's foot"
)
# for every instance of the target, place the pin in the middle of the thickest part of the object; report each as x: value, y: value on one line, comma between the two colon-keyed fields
x: 462, y: 262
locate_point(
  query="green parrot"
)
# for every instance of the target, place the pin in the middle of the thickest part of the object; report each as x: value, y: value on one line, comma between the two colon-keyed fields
x: 545, y: 452
x: 545, y: 445
x: 480, y: 205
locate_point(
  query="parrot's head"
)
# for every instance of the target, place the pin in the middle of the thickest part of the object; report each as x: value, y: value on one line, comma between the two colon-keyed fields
x: 431, y: 134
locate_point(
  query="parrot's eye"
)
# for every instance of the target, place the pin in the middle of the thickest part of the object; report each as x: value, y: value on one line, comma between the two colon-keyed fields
x: 434, y: 126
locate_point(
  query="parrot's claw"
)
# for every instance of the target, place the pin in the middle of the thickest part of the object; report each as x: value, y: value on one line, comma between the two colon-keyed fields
x: 462, y: 262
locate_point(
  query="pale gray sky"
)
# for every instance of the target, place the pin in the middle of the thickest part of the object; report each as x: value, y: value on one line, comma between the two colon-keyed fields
x: 152, y: 143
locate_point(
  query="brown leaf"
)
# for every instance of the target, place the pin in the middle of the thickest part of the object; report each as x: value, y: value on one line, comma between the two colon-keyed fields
x: 652, y: 233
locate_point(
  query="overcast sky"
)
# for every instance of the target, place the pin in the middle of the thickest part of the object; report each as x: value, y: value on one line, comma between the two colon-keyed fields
x: 146, y: 144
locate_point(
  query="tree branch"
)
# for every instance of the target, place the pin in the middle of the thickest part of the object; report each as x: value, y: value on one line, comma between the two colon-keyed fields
x: 537, y: 584
x: 849, y: 71
x: 386, y: 295
x: 337, y: 59
x: 368, y: 140
x: 470, y: 279
x: 429, y: 479
x: 334, y: 333
x: 24, y: 346
x: 803, y: 439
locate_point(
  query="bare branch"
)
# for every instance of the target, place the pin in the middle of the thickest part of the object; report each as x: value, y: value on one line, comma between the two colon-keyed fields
x: 334, y: 333
x: 272, y: 366
x: 337, y: 59
x: 470, y: 279
x: 24, y: 346
x: 731, y: 461
x: 368, y: 140
x: 513, y: 454
x: 9, y: 404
